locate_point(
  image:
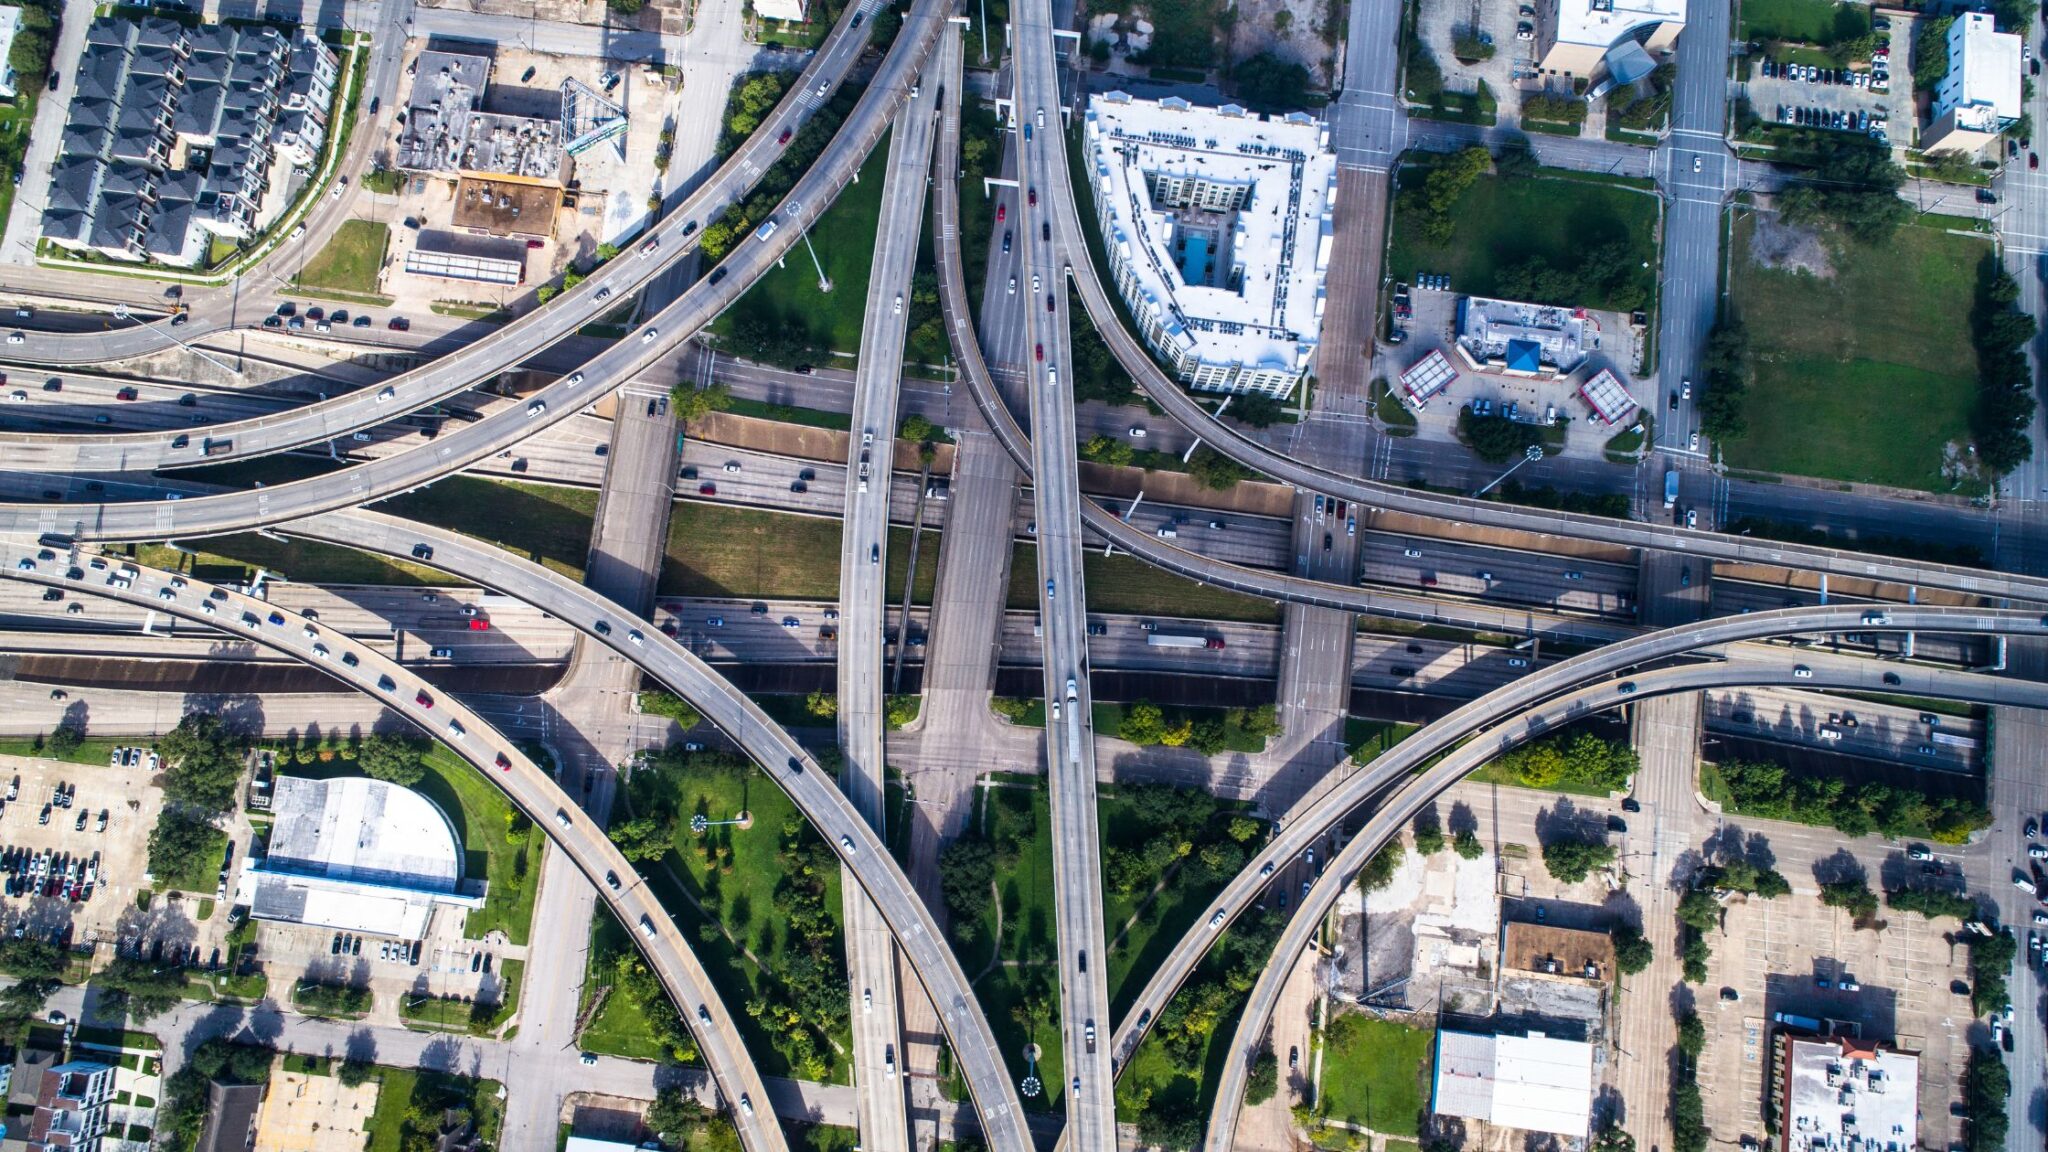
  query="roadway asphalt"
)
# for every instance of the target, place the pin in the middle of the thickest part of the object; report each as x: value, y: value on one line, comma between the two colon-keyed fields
x: 665, y: 243
x: 531, y: 788
x: 759, y: 737
x: 1046, y: 243
x: 1394, y: 813
x: 879, y: 1057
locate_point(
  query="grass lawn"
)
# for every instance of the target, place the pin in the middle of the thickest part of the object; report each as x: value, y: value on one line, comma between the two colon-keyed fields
x: 350, y: 261
x: 617, y: 1029
x: 741, y: 895
x: 397, y: 1087
x: 789, y: 414
x: 544, y: 523
x: 716, y: 550
x: 1806, y: 21
x: 509, y: 861
x: 1373, y: 1073
x: 89, y: 750
x: 1026, y: 972
x: 844, y: 239
x: 1502, y: 223
x: 1110, y: 717
x: 1863, y: 376
x: 456, y: 1016
x: 820, y: 1138
x: 1122, y: 583
x: 15, y: 121
x: 233, y: 559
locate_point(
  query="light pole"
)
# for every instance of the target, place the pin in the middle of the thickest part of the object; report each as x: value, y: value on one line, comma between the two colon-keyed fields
x: 1532, y: 452
x: 824, y: 283
x: 700, y: 823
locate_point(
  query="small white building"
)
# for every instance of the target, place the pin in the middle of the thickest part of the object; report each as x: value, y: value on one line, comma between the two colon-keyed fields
x: 790, y: 11
x: 1218, y: 225
x: 1573, y: 37
x: 1534, y: 1082
x: 10, y: 23
x: 1980, y: 97
x: 357, y: 855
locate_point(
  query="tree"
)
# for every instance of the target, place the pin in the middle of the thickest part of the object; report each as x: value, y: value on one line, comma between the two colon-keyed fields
x: 1692, y: 958
x: 822, y: 704
x: 1266, y: 83
x: 917, y: 428
x: 394, y: 758
x: 1105, y: 449
x: 145, y: 992
x: 1570, y: 859
x: 1698, y: 910
x: 1379, y: 871
x: 65, y: 738
x: 642, y: 838
x: 1143, y: 723
x: 1986, y: 1085
x: 1265, y: 1078
x: 966, y: 869
x: 673, y: 1114
x: 183, y: 846
x: 1516, y: 159
x: 1256, y: 410
x: 900, y: 711
x: 1851, y: 896
x: 354, y: 1072
x: 1726, y: 363
x: 205, y: 763
x: 1612, y: 1138
x: 1692, y: 1035
x: 1466, y: 844
x: 1632, y: 952
x: 1429, y: 835
x: 1468, y: 46
x: 1215, y: 471
x: 693, y: 404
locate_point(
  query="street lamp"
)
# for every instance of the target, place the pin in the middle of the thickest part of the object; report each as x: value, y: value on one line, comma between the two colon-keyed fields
x: 700, y: 823
x: 1532, y: 452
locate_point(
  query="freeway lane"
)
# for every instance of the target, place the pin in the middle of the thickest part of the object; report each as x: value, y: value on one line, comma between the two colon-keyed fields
x: 1717, y: 637
x: 780, y: 757
x: 1044, y: 242
x: 497, y: 759
x: 1395, y: 813
x: 506, y: 347
x: 870, y: 956
x: 557, y: 402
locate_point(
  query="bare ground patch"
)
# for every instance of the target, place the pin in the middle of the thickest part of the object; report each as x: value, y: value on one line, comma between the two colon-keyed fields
x: 1789, y: 248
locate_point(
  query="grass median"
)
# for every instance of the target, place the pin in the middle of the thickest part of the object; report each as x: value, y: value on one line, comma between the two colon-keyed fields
x: 747, y: 553
x: 1125, y: 584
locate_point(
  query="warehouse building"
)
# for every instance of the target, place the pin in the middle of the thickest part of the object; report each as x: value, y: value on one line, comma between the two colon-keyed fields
x: 1218, y: 226
x: 1574, y: 37
x: 447, y: 131
x: 1533, y: 1083
x: 356, y: 855
x: 1981, y: 95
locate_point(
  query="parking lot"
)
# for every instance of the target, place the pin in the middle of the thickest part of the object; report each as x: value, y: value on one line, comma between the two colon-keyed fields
x: 1801, y: 87
x: 1792, y: 955
x: 47, y: 850
x: 442, y: 964
x: 1439, y: 24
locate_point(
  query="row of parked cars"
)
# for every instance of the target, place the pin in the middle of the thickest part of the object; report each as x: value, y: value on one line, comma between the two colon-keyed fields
x: 48, y: 873
x: 287, y: 316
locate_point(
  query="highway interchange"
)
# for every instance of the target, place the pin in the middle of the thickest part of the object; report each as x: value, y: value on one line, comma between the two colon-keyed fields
x: 892, y: 917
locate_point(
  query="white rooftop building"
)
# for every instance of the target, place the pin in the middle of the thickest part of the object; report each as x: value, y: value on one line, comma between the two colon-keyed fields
x: 1980, y: 96
x: 1574, y: 36
x: 10, y: 24
x: 1534, y: 1083
x: 1838, y: 1094
x: 357, y: 855
x: 1218, y: 227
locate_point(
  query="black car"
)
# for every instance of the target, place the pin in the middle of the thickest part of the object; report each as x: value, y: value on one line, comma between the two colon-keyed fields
x: 1631, y: 804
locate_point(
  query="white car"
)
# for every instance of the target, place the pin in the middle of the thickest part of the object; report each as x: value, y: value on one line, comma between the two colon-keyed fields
x: 16, y: 338
x: 1694, y: 442
x: 1034, y: 282
x: 1013, y: 285
x: 575, y: 378
x: 1137, y: 433
x: 897, y: 308
x: 635, y: 637
x: 536, y: 408
x: 456, y: 730
x: 17, y: 397
x: 386, y: 394
x: 648, y: 336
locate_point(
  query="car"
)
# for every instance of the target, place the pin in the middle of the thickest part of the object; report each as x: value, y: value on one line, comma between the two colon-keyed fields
x: 1038, y: 352
x: 897, y: 308
x: 746, y: 1105
x: 707, y: 489
x: 1051, y: 589
x: 1033, y: 194
x: 1002, y: 213
x: 423, y: 700
x: 1801, y: 672
x: 2033, y: 827
x: 634, y: 637
x: 386, y: 393
x: 386, y: 684
x: 1695, y: 163
x: 1013, y: 285
x: 1693, y: 442
x: 441, y: 653
x: 1007, y: 236
x: 1050, y: 306
x: 1045, y: 230
x: 1692, y: 518
x: 648, y: 336
x: 587, y: 1060
x: 784, y: 138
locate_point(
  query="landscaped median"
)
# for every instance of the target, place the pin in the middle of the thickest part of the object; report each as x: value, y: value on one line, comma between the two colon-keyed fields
x: 475, y: 1016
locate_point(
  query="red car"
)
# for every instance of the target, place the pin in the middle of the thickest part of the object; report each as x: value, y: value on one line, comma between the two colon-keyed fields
x: 423, y: 700
x: 1034, y: 197
x: 707, y: 489
x: 504, y: 763
x: 126, y: 394
x: 1002, y: 213
x: 784, y: 139
x: 479, y: 625
x: 1038, y: 351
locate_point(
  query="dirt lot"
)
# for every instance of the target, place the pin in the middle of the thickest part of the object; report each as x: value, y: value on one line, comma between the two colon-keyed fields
x: 314, y: 1114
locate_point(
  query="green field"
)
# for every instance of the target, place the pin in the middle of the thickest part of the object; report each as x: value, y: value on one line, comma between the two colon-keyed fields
x: 1374, y: 1073
x: 718, y: 550
x: 1020, y: 975
x: 541, y: 522
x: 351, y: 260
x: 617, y: 1029
x: 503, y: 852
x: 1125, y: 584
x: 403, y: 1091
x: 737, y: 883
x: 844, y: 239
x: 1503, y: 223
x: 1144, y: 927
x: 16, y: 118
x: 1866, y: 375
x: 1820, y: 22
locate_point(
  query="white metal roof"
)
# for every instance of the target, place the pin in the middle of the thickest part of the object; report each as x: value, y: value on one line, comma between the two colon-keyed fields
x: 1851, y: 1100
x: 358, y: 829
x: 1278, y: 242
x: 1600, y: 23
x: 1985, y: 67
x: 1534, y: 1083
